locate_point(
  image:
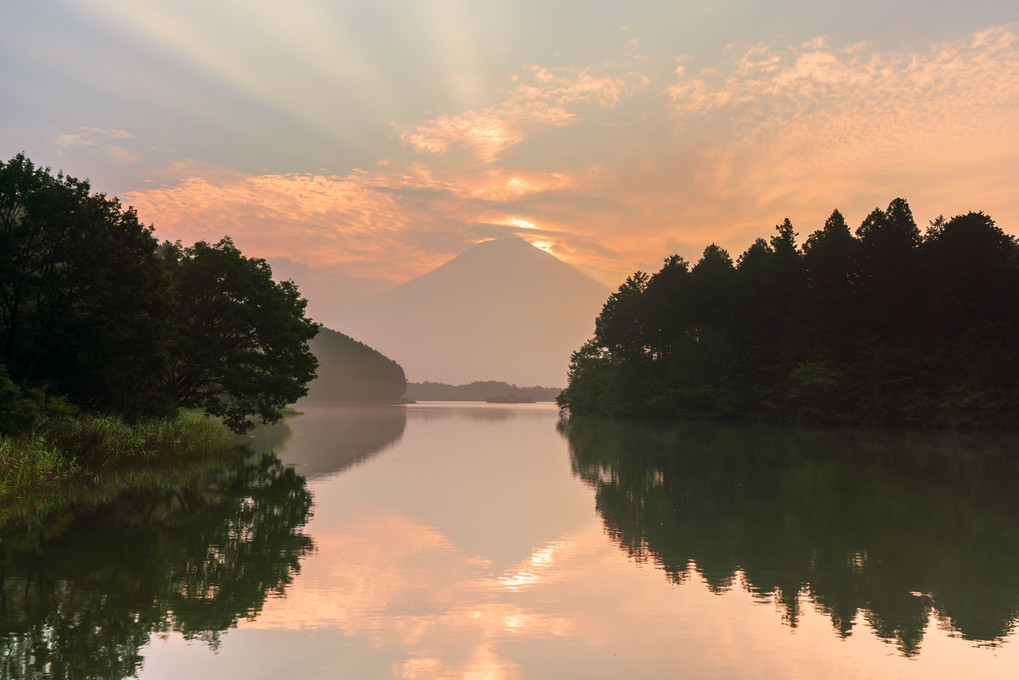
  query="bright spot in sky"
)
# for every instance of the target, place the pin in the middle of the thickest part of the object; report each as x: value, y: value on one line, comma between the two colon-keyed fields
x: 544, y: 245
x: 523, y: 224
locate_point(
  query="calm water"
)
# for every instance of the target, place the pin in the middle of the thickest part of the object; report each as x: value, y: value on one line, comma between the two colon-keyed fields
x: 492, y: 541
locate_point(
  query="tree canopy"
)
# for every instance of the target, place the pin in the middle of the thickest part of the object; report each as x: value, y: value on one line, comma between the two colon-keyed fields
x: 94, y: 308
x: 885, y: 327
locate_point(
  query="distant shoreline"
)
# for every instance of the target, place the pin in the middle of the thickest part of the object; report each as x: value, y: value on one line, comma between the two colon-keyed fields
x: 491, y: 391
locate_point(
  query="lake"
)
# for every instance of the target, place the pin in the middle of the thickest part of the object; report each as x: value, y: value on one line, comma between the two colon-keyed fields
x: 496, y: 541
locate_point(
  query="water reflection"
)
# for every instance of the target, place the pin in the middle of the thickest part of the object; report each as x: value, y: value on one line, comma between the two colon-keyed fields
x: 83, y: 597
x: 478, y: 411
x: 898, y: 527
x: 331, y: 439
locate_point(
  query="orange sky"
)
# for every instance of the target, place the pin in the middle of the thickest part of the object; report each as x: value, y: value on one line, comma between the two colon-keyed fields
x: 611, y: 144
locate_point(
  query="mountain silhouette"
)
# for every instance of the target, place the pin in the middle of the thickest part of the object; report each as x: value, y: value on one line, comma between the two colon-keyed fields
x: 501, y: 310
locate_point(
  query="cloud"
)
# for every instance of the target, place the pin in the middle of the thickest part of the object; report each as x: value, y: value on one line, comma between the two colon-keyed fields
x: 118, y: 134
x: 536, y: 96
x: 73, y: 140
x: 801, y: 127
x: 394, y: 222
x: 767, y: 87
x: 97, y: 140
x: 487, y: 133
x: 121, y: 155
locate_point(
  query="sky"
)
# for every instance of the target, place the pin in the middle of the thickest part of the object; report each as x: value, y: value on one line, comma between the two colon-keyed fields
x: 359, y: 144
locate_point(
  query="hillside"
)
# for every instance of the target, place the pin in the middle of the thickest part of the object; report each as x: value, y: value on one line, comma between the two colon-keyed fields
x: 349, y: 370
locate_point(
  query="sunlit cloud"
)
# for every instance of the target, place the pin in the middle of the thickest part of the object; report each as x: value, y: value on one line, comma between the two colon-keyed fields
x: 317, y: 219
x: 487, y: 133
x: 98, y: 140
x: 393, y: 222
x: 506, y: 185
x: 521, y: 223
x: 800, y: 130
x: 119, y: 134
x: 73, y: 140
x: 121, y: 155
x: 89, y: 136
x: 536, y: 96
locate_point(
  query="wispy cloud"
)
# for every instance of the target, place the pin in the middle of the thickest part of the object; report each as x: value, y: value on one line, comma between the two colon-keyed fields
x: 73, y: 140
x: 396, y: 217
x: 121, y: 155
x: 118, y: 134
x: 536, y: 96
x: 99, y: 140
x: 959, y: 85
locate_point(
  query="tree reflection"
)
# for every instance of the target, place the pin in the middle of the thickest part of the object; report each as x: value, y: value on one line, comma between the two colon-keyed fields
x: 82, y: 603
x: 896, y: 527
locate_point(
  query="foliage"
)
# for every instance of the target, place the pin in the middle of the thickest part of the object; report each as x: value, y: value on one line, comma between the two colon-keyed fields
x: 82, y: 295
x: 92, y: 307
x: 240, y: 346
x: 887, y: 327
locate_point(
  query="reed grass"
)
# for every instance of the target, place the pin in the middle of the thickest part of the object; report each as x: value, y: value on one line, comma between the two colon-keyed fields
x: 95, y: 456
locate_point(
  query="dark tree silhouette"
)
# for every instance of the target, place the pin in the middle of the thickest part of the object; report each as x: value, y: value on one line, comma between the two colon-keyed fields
x: 93, y: 308
x: 885, y: 328
x: 240, y: 347
x: 83, y: 301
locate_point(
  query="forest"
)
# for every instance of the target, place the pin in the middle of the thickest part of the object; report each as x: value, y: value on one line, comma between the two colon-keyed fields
x: 884, y: 326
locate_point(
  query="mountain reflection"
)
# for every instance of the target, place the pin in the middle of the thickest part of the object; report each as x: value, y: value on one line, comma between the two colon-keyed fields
x: 896, y: 527
x: 326, y: 440
x: 80, y: 599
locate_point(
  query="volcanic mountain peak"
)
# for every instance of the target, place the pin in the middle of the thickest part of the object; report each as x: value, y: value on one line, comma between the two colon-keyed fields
x: 500, y: 262
x: 500, y: 310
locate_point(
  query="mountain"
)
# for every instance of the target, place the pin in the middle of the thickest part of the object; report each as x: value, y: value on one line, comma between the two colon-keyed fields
x: 349, y: 370
x: 501, y: 310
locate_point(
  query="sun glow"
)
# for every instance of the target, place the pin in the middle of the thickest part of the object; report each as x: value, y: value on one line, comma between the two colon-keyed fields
x: 521, y: 223
x: 544, y: 245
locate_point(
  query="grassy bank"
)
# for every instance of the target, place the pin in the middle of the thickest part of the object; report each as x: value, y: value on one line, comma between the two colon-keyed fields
x: 90, y: 458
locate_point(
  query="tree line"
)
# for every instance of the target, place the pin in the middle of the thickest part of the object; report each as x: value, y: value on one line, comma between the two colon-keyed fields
x: 885, y: 326
x: 97, y: 314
